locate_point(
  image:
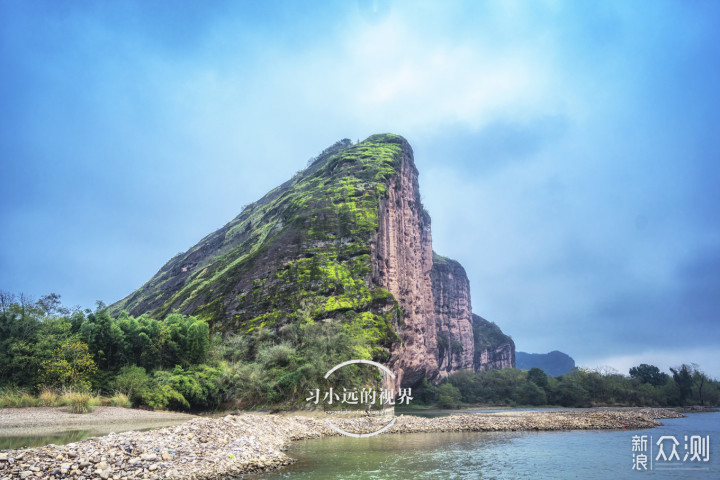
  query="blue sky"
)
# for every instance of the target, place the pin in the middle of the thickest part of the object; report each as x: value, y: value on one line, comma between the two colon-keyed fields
x: 569, y: 152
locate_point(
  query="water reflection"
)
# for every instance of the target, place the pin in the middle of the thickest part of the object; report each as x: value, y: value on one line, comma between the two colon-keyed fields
x: 39, y: 441
x: 424, y: 455
x: 590, y: 455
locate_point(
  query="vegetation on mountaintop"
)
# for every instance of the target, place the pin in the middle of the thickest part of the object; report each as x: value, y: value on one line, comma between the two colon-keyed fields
x: 301, y: 254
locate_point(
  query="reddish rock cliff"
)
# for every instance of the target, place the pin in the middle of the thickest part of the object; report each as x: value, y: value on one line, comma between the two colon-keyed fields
x: 403, y: 259
x: 437, y: 334
x: 451, y: 295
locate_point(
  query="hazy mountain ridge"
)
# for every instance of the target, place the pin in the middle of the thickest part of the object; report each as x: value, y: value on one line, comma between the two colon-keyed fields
x: 554, y: 363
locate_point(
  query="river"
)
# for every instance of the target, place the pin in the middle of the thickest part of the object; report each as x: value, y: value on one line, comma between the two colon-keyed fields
x: 509, y: 455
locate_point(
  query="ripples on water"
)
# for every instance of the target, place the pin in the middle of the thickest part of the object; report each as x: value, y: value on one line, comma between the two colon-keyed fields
x: 496, y: 455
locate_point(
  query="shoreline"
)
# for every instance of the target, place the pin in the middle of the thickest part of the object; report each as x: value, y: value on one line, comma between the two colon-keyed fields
x: 233, y: 445
x: 40, y: 421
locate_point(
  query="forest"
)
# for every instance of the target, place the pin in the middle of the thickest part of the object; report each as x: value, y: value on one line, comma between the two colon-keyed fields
x: 176, y: 363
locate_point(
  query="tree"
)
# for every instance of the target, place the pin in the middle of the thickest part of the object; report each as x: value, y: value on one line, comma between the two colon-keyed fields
x: 538, y: 377
x: 71, y: 366
x: 530, y: 394
x: 448, y: 396
x: 683, y: 376
x: 649, y: 374
x: 699, y: 381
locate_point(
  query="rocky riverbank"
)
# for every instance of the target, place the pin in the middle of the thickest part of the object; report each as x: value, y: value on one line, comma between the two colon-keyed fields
x: 39, y: 421
x: 206, y: 448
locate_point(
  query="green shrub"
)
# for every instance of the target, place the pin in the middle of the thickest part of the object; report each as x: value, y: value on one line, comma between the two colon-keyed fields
x: 133, y: 381
x: 162, y: 397
x: 448, y: 396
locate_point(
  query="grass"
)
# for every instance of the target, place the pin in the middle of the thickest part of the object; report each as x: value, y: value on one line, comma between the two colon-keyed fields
x: 120, y: 400
x: 47, y: 398
x: 78, y: 401
x: 16, y: 398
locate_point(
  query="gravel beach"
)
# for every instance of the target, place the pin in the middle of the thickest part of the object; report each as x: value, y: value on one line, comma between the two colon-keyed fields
x: 227, y: 447
x: 40, y: 421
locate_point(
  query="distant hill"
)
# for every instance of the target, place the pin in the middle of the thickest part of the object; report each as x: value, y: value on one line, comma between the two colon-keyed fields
x: 554, y: 363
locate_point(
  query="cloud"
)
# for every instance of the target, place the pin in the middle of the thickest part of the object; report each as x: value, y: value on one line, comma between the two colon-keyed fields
x: 567, y: 151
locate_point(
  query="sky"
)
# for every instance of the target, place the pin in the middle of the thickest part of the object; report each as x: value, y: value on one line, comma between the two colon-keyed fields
x: 569, y: 152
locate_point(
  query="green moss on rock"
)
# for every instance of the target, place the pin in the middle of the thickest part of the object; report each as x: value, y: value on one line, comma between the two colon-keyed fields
x: 300, y: 254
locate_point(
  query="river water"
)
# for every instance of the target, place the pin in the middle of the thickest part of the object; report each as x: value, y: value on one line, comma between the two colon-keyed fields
x: 509, y: 455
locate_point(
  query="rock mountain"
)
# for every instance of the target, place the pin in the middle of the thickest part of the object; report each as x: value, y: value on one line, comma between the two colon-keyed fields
x: 345, y: 240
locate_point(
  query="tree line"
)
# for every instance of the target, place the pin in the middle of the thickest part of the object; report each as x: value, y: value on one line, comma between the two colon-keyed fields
x: 645, y: 385
x: 177, y: 363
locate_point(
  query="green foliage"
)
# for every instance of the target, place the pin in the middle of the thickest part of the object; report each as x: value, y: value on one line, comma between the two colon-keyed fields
x: 70, y: 366
x: 144, y: 341
x: 120, y: 400
x: 268, y: 369
x: 683, y: 378
x: 538, y: 377
x: 133, y: 381
x: 529, y: 393
x: 581, y: 388
x: 649, y: 374
x: 174, y: 363
x: 162, y: 397
x: 448, y: 396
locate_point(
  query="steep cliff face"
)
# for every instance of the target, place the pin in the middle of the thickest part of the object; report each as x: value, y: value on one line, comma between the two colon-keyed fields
x: 402, y: 264
x: 346, y: 240
x: 453, y: 314
x: 493, y: 349
x: 438, y: 334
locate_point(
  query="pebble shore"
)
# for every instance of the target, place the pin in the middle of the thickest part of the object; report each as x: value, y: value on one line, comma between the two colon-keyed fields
x: 227, y: 447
